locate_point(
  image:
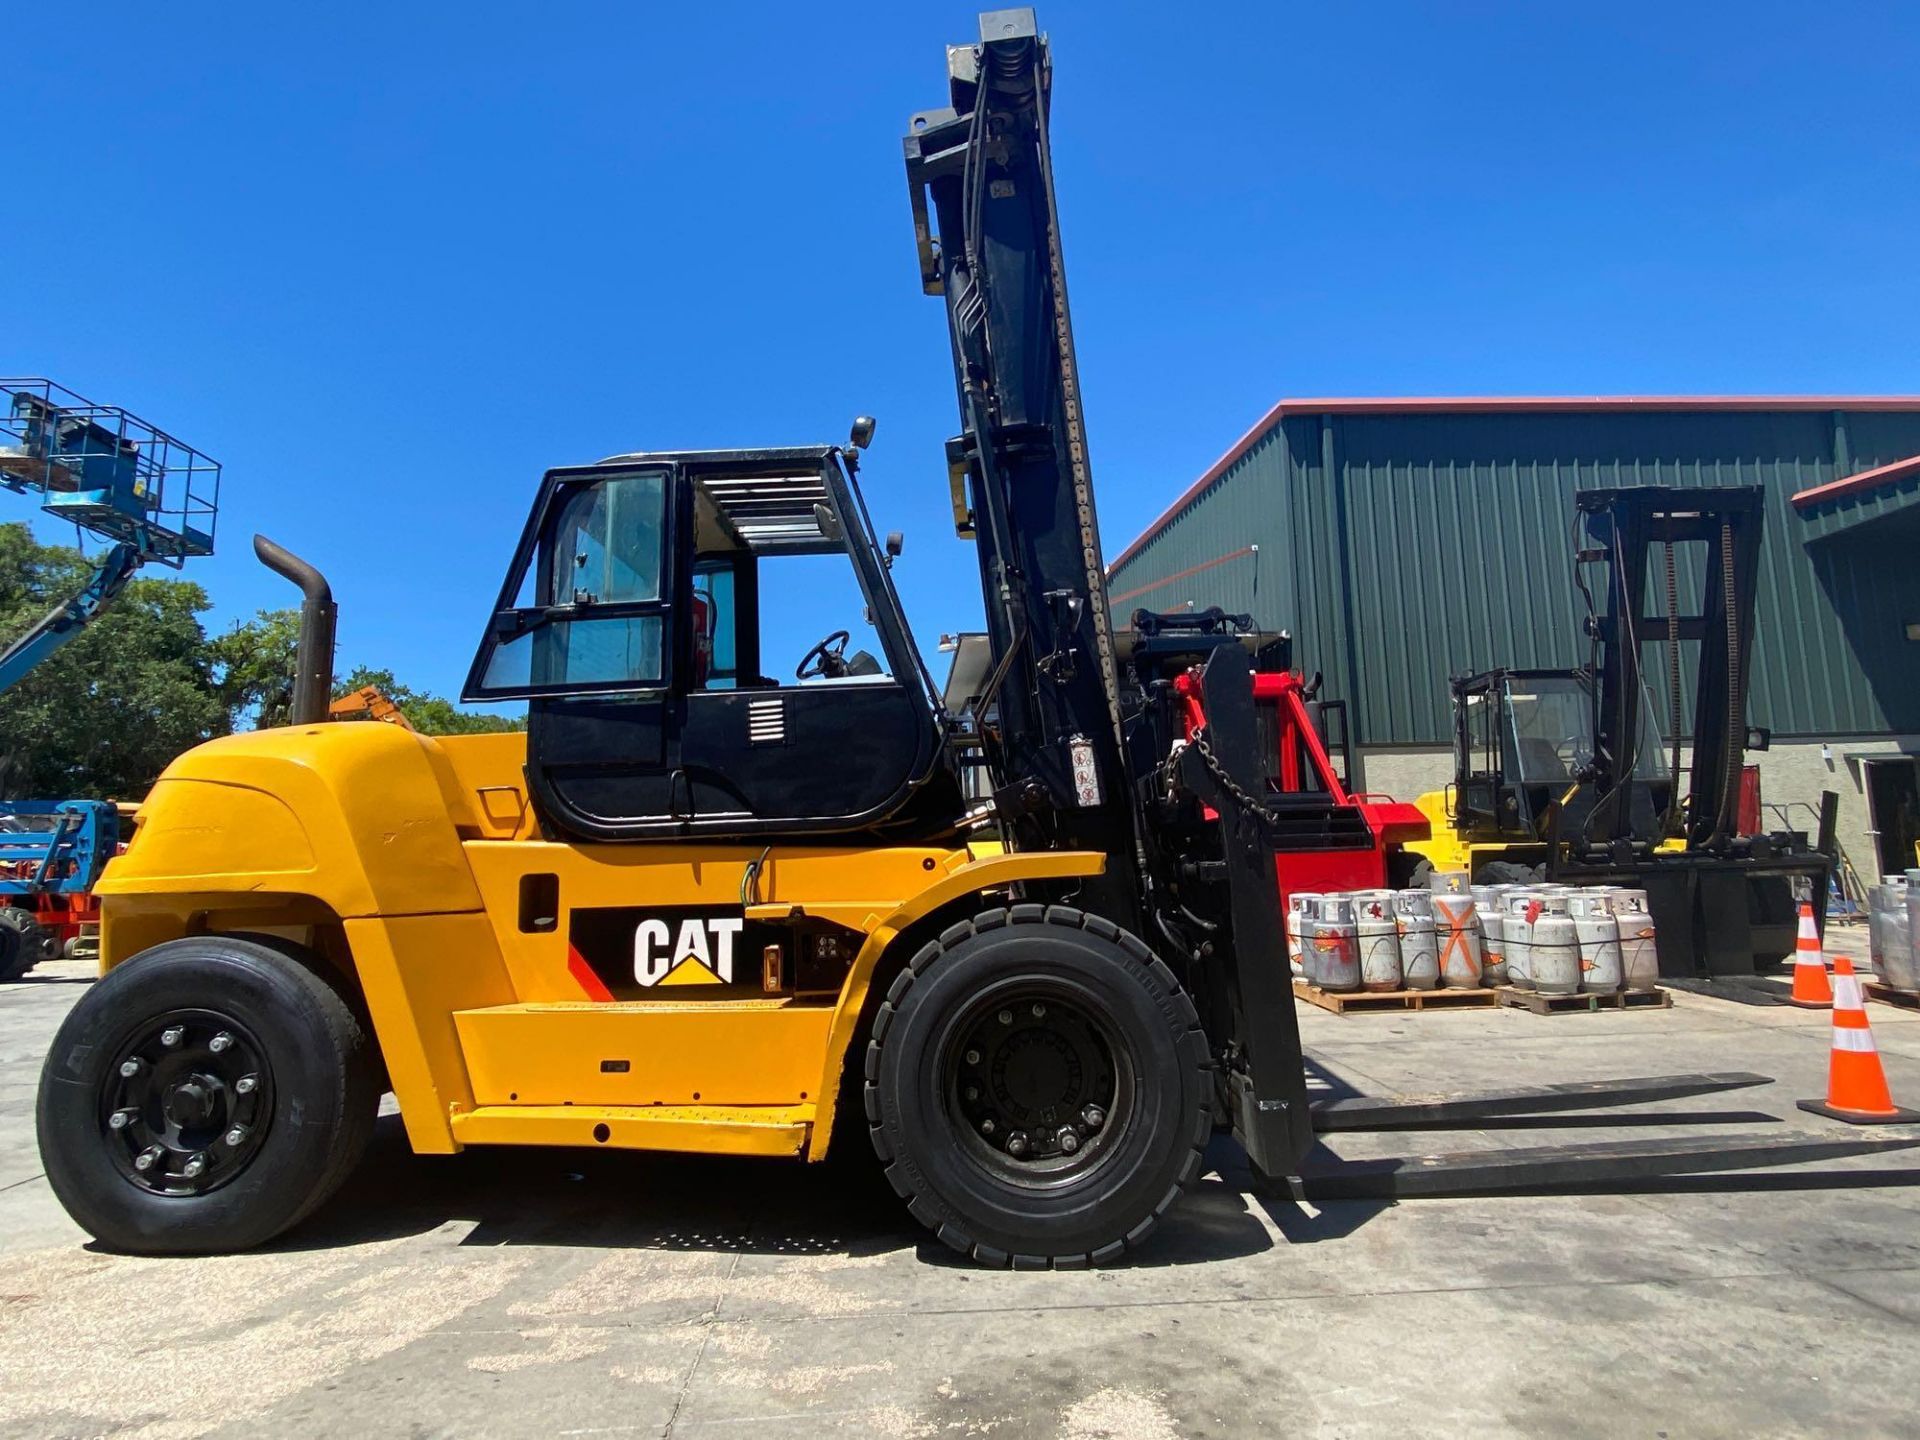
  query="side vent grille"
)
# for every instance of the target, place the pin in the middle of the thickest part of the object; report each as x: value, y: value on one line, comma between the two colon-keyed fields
x: 767, y: 721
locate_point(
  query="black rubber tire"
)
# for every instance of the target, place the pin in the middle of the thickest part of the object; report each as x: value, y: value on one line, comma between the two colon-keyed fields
x: 326, y: 1097
x: 1095, y: 1217
x: 1507, y: 872
x: 22, y: 942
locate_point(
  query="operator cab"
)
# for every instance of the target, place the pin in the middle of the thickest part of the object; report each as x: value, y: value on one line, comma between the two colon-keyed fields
x: 1523, y: 740
x: 651, y: 619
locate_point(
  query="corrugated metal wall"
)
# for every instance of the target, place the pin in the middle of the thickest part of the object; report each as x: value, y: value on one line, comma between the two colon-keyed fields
x: 1401, y: 548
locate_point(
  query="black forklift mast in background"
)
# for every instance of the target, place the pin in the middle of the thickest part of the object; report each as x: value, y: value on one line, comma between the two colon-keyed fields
x: 1727, y: 900
x: 1626, y: 525
x: 1076, y: 760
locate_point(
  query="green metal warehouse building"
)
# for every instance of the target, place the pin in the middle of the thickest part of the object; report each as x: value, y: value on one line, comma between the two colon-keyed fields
x: 1404, y: 541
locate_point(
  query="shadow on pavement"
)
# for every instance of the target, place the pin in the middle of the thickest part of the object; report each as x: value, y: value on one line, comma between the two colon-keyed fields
x: 638, y: 1200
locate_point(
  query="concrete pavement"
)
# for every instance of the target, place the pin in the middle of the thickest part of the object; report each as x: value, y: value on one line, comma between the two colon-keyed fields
x: 552, y: 1293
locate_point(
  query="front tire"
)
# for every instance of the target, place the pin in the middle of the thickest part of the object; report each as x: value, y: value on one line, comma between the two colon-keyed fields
x: 22, y: 941
x: 204, y: 1097
x: 1038, y: 1089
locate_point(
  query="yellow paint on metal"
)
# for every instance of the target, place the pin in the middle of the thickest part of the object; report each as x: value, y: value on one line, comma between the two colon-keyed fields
x: 741, y: 1052
x: 769, y: 1130
x: 402, y: 855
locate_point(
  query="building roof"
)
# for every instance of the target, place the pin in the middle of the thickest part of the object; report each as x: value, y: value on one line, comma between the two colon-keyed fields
x: 1534, y: 404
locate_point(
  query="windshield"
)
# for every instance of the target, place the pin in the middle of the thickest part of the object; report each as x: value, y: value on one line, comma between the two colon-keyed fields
x: 1549, y: 736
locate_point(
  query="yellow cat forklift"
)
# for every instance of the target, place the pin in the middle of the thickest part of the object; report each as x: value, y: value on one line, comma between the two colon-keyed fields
x: 704, y: 906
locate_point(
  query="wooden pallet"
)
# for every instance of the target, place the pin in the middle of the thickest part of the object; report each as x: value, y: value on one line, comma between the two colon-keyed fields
x: 1891, y: 995
x: 1341, y: 1001
x: 1539, y: 1004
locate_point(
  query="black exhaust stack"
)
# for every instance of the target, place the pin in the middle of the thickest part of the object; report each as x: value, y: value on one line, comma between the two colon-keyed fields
x: 313, y: 662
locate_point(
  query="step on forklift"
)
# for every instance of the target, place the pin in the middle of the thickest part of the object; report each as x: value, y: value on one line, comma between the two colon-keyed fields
x: 1564, y: 776
x: 701, y: 907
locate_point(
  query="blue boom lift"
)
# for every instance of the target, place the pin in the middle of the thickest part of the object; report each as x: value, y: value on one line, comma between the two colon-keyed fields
x: 150, y: 499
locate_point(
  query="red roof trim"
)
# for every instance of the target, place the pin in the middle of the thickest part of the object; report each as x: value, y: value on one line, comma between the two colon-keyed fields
x: 1497, y: 404
x: 1854, y: 484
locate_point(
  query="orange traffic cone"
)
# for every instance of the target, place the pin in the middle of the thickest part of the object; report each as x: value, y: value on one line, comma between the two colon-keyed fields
x: 1810, y: 987
x: 1856, y: 1081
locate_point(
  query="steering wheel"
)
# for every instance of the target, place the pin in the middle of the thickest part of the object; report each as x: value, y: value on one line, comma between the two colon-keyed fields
x: 828, y: 658
x: 1574, y: 754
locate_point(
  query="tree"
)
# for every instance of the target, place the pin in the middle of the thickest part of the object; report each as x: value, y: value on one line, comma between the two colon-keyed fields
x: 106, y: 713
x: 428, y: 713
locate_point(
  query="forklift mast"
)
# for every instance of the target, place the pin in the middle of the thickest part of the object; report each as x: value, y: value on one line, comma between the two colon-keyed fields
x: 985, y: 221
x: 1624, y: 526
x: 1075, y: 761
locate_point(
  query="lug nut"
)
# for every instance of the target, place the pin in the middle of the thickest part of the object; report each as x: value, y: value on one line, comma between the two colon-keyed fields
x: 1069, y: 1139
x: 973, y: 1057
x: 245, y: 1084
x: 1006, y: 1017
x: 120, y: 1119
x: 129, y: 1068
x: 236, y: 1135
x: 972, y: 1092
x: 144, y: 1160
x: 172, y: 1035
x: 195, y: 1167
x: 987, y: 1126
x: 1039, y: 1010
x: 1094, y: 1117
x: 220, y: 1042
x: 1017, y: 1144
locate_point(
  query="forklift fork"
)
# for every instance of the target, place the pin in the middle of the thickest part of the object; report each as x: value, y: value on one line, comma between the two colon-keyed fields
x: 1592, y: 1166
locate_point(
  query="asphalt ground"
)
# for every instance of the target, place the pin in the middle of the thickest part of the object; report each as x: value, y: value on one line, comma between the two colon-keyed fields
x: 542, y: 1293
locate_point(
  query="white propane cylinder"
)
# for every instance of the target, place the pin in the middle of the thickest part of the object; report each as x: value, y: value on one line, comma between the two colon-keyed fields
x: 1902, y: 970
x: 1601, y: 969
x: 1554, y: 945
x: 1910, y: 974
x: 1379, y: 936
x: 1493, y: 945
x: 1419, y: 949
x: 1297, y: 904
x: 1516, y: 932
x: 1458, y: 937
x: 1330, y: 946
x: 1639, y: 950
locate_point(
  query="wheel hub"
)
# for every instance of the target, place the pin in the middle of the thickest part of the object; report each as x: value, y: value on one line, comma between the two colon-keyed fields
x: 1034, y: 1081
x: 187, y: 1103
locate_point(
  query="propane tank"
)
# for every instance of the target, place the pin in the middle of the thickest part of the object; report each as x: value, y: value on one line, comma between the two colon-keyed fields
x: 1599, y: 936
x: 1517, y: 934
x: 1553, y: 944
x: 1886, y: 915
x: 1458, y: 938
x: 1449, y: 882
x: 1639, y: 952
x: 1297, y: 904
x: 1902, y: 967
x: 1379, y: 936
x: 1419, y: 950
x: 1493, y: 945
x: 1329, y: 943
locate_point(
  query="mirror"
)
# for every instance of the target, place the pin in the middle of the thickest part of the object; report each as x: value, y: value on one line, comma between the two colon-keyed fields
x: 828, y: 522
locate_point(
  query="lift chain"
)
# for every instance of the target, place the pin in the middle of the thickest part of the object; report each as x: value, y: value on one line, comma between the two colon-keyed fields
x: 1241, y: 796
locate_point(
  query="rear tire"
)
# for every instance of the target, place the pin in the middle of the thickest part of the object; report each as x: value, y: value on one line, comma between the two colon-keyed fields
x: 1038, y: 1089
x: 1508, y: 872
x: 277, y: 1114
x: 22, y: 942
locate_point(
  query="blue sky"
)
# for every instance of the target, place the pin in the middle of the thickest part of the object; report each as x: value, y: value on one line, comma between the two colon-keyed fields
x: 388, y: 263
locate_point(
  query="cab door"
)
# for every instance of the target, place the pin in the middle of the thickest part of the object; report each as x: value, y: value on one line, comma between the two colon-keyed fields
x: 583, y: 630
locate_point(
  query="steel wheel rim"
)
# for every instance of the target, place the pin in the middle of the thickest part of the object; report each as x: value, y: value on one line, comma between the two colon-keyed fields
x: 1026, y: 1062
x: 187, y: 1102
